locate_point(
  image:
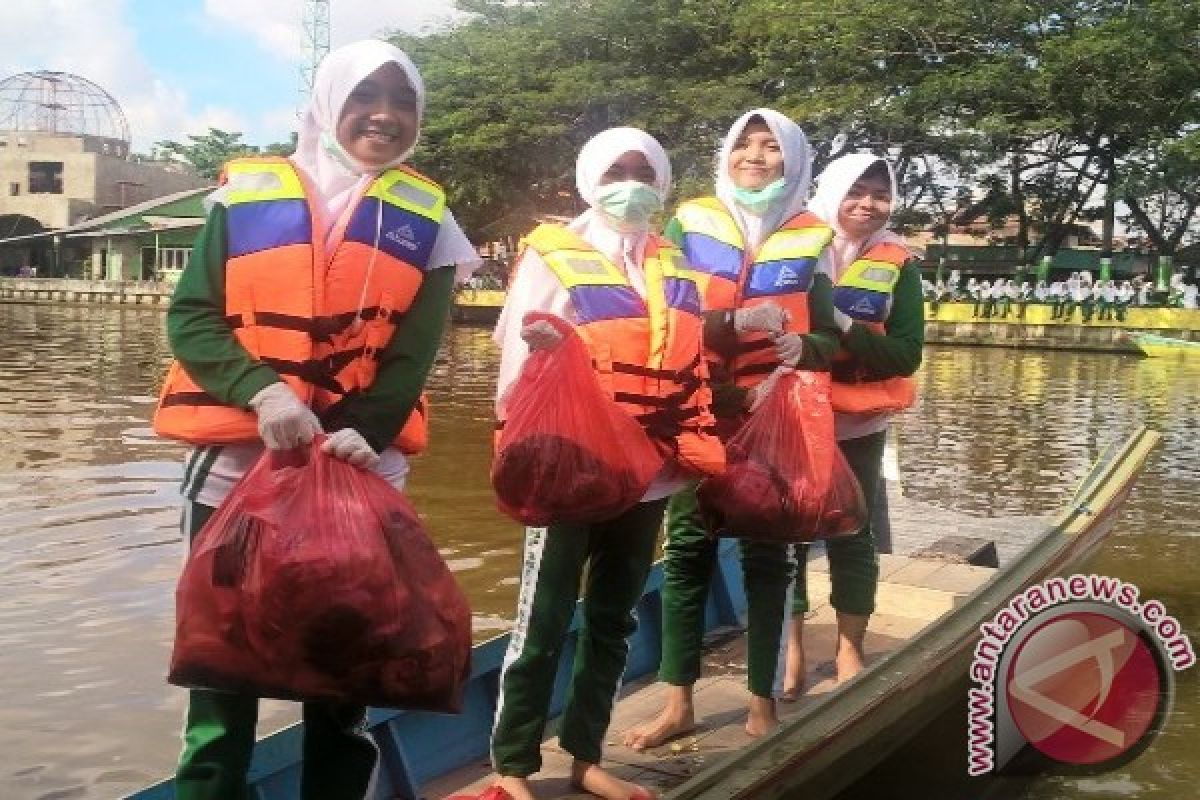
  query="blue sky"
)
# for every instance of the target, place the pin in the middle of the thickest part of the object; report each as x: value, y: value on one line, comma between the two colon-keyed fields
x: 180, y: 66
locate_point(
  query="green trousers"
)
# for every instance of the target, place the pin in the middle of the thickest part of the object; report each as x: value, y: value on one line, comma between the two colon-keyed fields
x: 617, y: 555
x: 218, y: 739
x: 853, y: 563
x: 691, y: 556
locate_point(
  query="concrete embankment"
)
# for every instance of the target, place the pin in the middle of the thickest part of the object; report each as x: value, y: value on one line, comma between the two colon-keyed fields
x: 953, y: 323
x: 70, y: 291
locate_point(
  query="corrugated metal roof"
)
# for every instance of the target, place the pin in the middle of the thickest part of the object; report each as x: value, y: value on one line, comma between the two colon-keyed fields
x: 89, y: 226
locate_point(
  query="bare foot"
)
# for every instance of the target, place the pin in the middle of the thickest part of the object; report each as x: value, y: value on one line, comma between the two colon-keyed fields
x: 793, y: 672
x: 677, y: 718
x: 852, y: 629
x: 602, y: 783
x: 517, y: 788
x: 762, y: 718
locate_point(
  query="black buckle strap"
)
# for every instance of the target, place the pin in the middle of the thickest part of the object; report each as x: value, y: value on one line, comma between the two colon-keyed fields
x: 321, y: 329
x: 190, y: 399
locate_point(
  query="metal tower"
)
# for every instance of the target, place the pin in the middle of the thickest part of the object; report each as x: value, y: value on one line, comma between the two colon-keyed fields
x: 316, y: 43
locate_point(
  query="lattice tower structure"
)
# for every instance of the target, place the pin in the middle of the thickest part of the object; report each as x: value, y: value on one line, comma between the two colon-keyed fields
x: 316, y: 26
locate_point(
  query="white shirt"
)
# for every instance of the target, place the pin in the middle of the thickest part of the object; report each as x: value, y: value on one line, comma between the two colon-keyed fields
x: 1189, y: 295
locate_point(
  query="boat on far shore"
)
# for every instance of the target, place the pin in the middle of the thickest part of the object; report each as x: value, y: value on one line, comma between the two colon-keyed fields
x: 1165, y: 346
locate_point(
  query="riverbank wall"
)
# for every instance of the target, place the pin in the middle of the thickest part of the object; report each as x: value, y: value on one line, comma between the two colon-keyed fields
x: 947, y: 323
x: 955, y: 323
x: 70, y: 291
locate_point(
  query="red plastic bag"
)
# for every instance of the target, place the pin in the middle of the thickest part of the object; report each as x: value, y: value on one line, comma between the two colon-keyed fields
x: 786, y: 478
x: 567, y: 452
x: 315, y: 581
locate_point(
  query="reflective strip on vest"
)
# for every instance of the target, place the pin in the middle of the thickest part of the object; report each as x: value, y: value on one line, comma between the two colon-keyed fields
x: 864, y: 291
x: 309, y: 333
x: 712, y: 240
x: 786, y: 263
x: 645, y: 352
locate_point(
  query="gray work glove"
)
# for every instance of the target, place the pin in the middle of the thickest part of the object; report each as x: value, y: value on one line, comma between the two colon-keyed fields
x: 767, y: 317
x: 541, y: 335
x: 789, y: 347
x: 350, y: 446
x: 283, y: 421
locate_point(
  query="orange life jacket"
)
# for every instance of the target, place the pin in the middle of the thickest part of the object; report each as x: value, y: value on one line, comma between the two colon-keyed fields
x: 780, y: 272
x: 864, y: 293
x: 306, y: 315
x: 646, y: 352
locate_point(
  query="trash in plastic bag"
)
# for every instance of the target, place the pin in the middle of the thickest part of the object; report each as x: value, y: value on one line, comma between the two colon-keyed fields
x: 567, y: 452
x: 316, y: 581
x: 786, y: 479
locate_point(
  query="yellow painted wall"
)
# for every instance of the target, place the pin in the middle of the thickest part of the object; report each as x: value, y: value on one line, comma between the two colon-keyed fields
x: 1140, y: 318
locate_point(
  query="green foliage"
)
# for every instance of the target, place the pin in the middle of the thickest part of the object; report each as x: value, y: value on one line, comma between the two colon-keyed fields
x: 1161, y: 188
x: 208, y: 152
x: 1041, y: 105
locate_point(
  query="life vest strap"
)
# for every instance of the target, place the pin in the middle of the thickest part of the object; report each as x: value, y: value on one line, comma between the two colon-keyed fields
x: 682, y: 375
x: 321, y: 329
x: 189, y: 399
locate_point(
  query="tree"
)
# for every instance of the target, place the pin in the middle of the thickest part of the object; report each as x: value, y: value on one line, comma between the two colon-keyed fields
x: 515, y: 92
x: 208, y: 152
x: 1161, y: 187
x: 1046, y: 100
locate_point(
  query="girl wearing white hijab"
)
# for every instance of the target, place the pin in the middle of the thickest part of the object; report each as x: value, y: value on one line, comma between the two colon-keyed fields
x: 623, y: 175
x: 767, y: 308
x: 361, y: 124
x: 882, y: 334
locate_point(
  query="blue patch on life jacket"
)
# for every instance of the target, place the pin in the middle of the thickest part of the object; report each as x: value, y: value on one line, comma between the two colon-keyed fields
x: 593, y: 303
x: 861, y: 304
x: 706, y: 254
x: 787, y: 276
x: 262, y: 225
x: 682, y: 294
x: 404, y: 235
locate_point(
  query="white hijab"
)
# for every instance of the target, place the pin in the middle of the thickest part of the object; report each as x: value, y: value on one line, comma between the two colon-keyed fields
x: 797, y: 174
x: 335, y: 176
x: 832, y: 186
x: 622, y: 248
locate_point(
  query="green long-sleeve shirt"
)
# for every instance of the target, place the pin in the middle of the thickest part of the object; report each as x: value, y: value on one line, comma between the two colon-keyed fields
x: 207, y: 348
x: 897, y: 352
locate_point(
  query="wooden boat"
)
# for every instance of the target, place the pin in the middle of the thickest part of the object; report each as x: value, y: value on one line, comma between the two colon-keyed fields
x: 477, y: 305
x: 918, y: 647
x: 1165, y: 347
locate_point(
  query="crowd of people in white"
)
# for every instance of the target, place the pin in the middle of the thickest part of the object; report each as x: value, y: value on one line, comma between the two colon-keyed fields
x: 1102, y: 299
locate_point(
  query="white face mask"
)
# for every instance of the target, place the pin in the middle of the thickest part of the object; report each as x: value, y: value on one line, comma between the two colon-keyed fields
x: 629, y: 205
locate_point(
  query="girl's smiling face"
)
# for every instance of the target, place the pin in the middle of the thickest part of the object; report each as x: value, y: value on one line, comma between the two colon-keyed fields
x: 756, y: 159
x: 378, y: 123
x: 866, y: 207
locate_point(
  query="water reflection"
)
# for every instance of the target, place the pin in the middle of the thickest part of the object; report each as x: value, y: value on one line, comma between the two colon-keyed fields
x: 89, y: 546
x: 1004, y: 431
